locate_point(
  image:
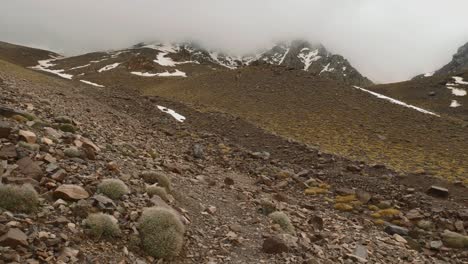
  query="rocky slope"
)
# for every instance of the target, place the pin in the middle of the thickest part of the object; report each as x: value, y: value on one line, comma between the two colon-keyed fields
x: 223, y: 186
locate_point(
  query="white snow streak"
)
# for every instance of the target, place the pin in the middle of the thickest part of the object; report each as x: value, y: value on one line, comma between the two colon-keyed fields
x: 109, y: 67
x: 394, y: 101
x: 459, y: 80
x: 429, y: 74
x: 177, y: 73
x: 91, y: 83
x: 326, y: 69
x: 177, y: 116
x: 44, y: 65
x: 79, y: 67
x: 457, y: 91
x: 284, y: 56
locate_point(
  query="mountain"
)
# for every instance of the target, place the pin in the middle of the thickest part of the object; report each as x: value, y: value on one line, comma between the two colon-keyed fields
x: 187, y: 59
x: 315, y: 59
x: 457, y: 65
x: 444, y: 91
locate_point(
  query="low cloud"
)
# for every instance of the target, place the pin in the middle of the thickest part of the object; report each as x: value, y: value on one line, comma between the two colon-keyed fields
x: 387, y: 40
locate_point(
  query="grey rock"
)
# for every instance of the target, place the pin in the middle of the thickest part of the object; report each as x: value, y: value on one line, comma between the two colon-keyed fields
x: 13, y: 238
x: 437, y: 191
x: 198, y: 152
x: 394, y: 229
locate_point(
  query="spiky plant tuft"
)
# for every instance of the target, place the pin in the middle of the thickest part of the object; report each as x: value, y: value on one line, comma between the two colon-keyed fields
x: 283, y: 221
x: 157, y: 190
x: 18, y: 198
x: 102, y: 225
x: 161, y: 232
x: 113, y: 188
x: 160, y: 178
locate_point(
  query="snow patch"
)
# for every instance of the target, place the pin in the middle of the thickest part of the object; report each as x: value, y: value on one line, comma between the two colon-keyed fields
x: 91, y: 83
x: 177, y: 73
x: 457, y: 91
x: 79, y: 67
x: 429, y: 74
x: 162, y: 60
x: 173, y: 113
x: 109, y: 67
x: 455, y: 103
x: 284, y: 56
x: 326, y: 68
x: 308, y: 58
x: 230, y: 64
x: 459, y: 80
x: 44, y: 65
x: 394, y: 101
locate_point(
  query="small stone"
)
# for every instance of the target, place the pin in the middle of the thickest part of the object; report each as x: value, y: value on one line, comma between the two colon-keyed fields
x: 424, y: 224
x: 211, y: 209
x: 274, y: 245
x: 353, y: 168
x: 394, y: 229
x: 70, y: 192
x: 47, y: 141
x: 228, y: 181
x: 414, y: 214
x: 27, y: 136
x: 112, y: 166
x: 5, y: 129
x: 236, y: 228
x: 73, y: 152
x: 359, y: 254
x: 30, y: 168
x: 8, y: 151
x: 437, y: 191
x: 363, y: 196
x: 198, y: 152
x: 63, y: 119
x: 59, y: 175
x: 54, y: 134
x: 13, y: 238
x: 399, y: 238
x: 435, y: 244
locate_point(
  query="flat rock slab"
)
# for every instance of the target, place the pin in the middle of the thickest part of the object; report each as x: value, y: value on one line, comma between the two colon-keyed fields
x: 30, y: 168
x: 438, y: 191
x: 13, y: 238
x: 70, y: 192
x: 28, y: 136
x: 8, y: 152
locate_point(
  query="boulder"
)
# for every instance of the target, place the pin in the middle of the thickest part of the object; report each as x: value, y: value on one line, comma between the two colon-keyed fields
x: 437, y: 191
x: 274, y: 245
x: 27, y: 136
x: 5, y: 129
x: 30, y: 168
x: 13, y: 238
x: 70, y: 192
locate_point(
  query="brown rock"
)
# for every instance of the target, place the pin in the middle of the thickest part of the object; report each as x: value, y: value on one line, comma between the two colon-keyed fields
x: 5, y: 129
x: 27, y: 136
x: 112, y: 166
x: 228, y: 181
x: 438, y: 191
x: 59, y: 175
x: 30, y: 168
x: 274, y: 245
x: 70, y: 192
x: 13, y: 238
x: 8, y: 151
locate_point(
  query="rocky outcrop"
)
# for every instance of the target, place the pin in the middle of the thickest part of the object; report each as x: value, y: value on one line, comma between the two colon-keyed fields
x: 316, y: 59
x: 459, y: 62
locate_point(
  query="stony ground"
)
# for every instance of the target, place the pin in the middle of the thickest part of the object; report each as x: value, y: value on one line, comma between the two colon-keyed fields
x: 227, y: 176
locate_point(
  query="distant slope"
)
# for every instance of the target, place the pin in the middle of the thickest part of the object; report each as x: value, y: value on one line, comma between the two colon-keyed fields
x: 338, y: 117
x: 23, y: 56
x: 459, y: 62
x: 188, y: 59
x: 445, y: 94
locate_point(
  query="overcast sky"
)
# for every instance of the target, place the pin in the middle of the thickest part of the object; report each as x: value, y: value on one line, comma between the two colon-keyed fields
x: 386, y: 40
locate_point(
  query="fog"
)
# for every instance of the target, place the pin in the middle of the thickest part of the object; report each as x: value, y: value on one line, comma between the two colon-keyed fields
x: 386, y: 40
